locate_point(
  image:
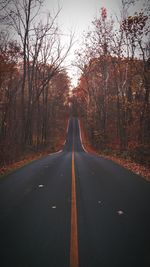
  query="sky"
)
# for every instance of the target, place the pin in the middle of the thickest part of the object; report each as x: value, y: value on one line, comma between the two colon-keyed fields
x: 76, y: 16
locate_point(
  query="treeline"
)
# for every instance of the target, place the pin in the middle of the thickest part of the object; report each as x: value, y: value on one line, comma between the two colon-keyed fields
x: 113, y: 91
x: 33, y: 85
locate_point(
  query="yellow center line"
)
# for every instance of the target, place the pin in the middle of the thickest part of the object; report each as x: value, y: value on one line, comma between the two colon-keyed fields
x: 74, y: 260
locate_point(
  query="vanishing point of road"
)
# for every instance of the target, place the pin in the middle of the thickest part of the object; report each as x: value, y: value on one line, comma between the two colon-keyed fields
x: 74, y: 209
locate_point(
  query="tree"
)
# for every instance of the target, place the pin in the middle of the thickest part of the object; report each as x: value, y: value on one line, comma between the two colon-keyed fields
x: 113, y: 90
x: 10, y: 53
x: 136, y: 31
x: 40, y: 57
x: 40, y: 44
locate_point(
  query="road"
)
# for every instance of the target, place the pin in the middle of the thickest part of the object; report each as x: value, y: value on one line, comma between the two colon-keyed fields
x: 73, y: 195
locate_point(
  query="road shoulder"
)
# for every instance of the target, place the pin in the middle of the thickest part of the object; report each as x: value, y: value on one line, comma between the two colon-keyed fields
x: 126, y: 163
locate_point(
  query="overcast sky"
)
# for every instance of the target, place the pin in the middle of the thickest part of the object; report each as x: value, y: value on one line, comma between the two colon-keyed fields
x: 77, y: 15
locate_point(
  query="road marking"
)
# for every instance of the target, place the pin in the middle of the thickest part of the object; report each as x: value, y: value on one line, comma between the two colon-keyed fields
x: 53, y: 207
x: 68, y: 126
x: 74, y: 260
x: 120, y: 212
x: 40, y: 185
x: 81, y: 137
x: 55, y: 153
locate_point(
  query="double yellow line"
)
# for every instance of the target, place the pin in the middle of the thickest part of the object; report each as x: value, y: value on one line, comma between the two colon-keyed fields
x: 74, y: 258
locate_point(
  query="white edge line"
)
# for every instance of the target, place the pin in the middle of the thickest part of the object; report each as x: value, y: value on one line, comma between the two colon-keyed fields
x: 81, y: 137
x: 55, y: 152
x: 66, y: 131
x: 68, y: 126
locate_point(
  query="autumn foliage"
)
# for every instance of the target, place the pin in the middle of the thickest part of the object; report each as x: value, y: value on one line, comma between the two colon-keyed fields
x: 33, y: 84
x: 113, y: 90
x: 44, y: 116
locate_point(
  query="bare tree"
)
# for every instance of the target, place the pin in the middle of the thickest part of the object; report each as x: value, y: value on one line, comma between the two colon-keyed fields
x: 41, y: 45
x: 42, y: 55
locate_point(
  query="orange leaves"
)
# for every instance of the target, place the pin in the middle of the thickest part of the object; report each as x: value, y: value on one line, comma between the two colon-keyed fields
x: 103, y: 13
x: 134, y: 25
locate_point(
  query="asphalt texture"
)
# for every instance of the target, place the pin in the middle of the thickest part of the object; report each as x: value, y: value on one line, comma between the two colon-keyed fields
x: 113, y: 212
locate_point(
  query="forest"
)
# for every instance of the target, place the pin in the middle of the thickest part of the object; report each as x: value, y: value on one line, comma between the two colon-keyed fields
x: 34, y: 86
x: 111, y: 99
x: 113, y: 91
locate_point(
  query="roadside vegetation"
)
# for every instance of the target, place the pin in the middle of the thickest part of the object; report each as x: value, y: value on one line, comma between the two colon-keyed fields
x: 112, y: 98
x: 113, y: 94
x: 119, y: 158
x: 34, y: 84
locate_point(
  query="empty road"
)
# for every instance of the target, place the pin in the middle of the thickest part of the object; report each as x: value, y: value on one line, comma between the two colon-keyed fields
x: 74, y: 209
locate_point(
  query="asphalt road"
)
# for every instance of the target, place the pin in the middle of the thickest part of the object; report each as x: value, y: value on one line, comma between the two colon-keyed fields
x: 113, y: 212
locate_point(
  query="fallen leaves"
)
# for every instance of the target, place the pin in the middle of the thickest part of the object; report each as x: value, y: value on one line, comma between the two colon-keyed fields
x: 132, y: 166
x: 126, y: 163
